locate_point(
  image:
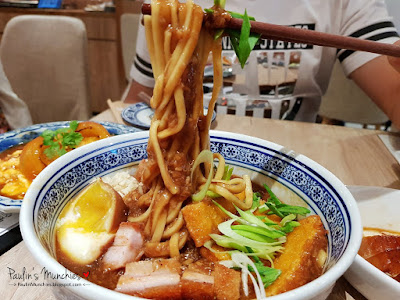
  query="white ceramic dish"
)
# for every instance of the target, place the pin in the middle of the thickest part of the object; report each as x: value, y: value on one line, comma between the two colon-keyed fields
x: 140, y: 115
x: 24, y: 135
x: 292, y: 176
x: 379, y: 208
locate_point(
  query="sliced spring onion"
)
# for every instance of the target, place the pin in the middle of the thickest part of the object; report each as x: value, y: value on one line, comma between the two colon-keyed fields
x: 226, y: 177
x: 268, y: 275
x: 256, y: 230
x: 275, y: 206
x: 226, y: 229
x: 233, y: 216
x: 272, y: 207
x: 249, y: 217
x: 205, y: 156
x: 254, y: 236
x: 225, y: 242
x: 227, y: 173
x: 242, y: 261
x: 267, y: 253
x: 290, y: 226
x: 272, y: 196
x: 212, y: 194
x: 267, y: 221
x: 256, y: 202
x: 291, y: 209
x: 220, y: 3
x: 218, y: 33
x: 287, y: 219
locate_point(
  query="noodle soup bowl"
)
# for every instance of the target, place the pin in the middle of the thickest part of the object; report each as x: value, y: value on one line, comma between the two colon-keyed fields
x: 294, y: 178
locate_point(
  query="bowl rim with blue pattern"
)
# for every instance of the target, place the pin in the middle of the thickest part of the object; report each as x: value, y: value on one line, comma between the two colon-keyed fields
x: 26, y: 134
x: 140, y: 114
x: 325, y: 194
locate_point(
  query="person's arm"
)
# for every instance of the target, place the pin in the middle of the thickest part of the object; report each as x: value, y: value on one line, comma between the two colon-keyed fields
x: 381, y: 82
x: 15, y: 110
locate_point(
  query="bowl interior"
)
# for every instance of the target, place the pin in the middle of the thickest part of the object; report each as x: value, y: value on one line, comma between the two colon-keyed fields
x: 293, y: 177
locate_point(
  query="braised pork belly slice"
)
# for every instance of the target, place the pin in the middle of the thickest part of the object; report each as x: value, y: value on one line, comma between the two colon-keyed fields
x: 127, y: 247
x: 154, y: 279
x: 227, y: 283
x: 198, y: 281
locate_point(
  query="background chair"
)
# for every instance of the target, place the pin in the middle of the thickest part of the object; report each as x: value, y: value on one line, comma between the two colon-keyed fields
x: 45, y: 60
x: 344, y: 101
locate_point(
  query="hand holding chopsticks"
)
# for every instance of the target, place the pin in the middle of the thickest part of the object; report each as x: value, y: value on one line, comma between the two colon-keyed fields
x: 303, y: 36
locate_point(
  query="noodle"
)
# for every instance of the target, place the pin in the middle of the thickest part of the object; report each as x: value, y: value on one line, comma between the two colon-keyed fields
x: 179, y: 49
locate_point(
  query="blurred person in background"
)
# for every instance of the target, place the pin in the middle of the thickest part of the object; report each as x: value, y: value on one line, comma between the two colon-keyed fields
x: 14, y: 112
x: 364, y: 19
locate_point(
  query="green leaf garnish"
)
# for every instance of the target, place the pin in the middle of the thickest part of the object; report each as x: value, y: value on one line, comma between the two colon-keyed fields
x: 243, y: 41
x: 61, y: 140
x: 240, y: 16
x: 73, y: 125
x: 246, y: 41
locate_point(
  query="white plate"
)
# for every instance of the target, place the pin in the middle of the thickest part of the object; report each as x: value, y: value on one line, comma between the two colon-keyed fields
x: 140, y: 114
x: 24, y: 135
x: 379, y: 207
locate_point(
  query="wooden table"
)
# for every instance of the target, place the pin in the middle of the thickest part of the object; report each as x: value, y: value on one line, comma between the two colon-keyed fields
x: 356, y: 156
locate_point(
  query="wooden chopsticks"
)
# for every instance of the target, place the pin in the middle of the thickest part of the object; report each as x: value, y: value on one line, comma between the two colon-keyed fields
x: 310, y: 37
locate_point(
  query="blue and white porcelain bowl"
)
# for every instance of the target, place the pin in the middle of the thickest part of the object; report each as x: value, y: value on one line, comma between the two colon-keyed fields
x: 24, y: 135
x: 294, y: 177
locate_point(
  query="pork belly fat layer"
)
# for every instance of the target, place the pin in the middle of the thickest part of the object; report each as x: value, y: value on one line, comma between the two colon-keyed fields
x: 155, y: 279
x: 197, y: 285
x: 127, y: 247
x: 227, y: 283
x: 128, y: 284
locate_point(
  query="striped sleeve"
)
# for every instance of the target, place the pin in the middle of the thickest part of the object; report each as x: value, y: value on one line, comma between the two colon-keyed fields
x: 369, y: 20
x: 141, y: 70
